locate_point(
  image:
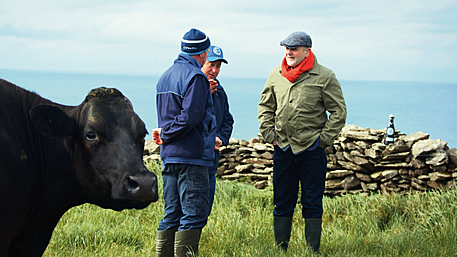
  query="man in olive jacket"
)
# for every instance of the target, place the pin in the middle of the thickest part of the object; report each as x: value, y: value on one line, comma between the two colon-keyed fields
x: 301, y: 112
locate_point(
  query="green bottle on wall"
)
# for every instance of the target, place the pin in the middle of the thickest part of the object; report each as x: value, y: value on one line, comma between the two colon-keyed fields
x: 390, y: 131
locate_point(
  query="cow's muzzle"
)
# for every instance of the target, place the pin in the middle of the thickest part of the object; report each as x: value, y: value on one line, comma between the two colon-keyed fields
x: 142, y: 187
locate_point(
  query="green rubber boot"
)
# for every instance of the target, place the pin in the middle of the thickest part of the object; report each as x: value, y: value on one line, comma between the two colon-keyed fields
x: 165, y: 240
x: 282, y: 228
x: 313, y: 229
x: 186, y: 242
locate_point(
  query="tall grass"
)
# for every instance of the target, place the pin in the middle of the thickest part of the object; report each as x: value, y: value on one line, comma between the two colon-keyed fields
x: 241, y: 225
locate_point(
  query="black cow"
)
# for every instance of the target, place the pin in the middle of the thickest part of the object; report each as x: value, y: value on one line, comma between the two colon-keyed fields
x: 54, y: 157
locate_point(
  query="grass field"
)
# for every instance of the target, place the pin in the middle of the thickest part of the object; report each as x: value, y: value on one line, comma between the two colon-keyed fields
x: 241, y: 224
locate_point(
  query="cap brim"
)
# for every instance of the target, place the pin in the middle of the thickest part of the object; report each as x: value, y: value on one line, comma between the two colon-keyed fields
x: 213, y: 59
x: 288, y: 46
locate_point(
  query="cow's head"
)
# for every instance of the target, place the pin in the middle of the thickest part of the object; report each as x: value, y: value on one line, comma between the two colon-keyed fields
x: 108, y: 139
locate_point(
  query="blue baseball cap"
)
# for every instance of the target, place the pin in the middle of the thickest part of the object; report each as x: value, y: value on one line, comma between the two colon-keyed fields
x: 215, y: 53
x: 297, y: 39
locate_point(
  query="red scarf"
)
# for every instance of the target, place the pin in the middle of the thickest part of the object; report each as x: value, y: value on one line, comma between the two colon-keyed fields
x: 293, y: 74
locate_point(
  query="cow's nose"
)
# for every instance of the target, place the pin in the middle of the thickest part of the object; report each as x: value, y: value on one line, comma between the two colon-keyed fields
x: 142, y: 187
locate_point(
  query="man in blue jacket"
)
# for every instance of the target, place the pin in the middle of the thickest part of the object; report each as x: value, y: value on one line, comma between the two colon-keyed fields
x: 224, y: 119
x: 186, y: 133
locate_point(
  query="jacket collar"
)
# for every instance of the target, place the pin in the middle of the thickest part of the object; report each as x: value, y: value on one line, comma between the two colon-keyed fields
x: 184, y: 58
x: 219, y: 87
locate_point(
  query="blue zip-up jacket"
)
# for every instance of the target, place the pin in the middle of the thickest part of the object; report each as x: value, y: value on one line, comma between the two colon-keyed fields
x: 224, y: 121
x: 185, y: 113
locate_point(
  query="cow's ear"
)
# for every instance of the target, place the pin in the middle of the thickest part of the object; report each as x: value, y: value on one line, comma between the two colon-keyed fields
x: 52, y: 121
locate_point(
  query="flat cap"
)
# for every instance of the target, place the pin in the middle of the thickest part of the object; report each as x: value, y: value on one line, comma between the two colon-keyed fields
x: 297, y: 39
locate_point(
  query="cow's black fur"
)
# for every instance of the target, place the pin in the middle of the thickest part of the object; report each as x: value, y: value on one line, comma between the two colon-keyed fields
x: 54, y: 157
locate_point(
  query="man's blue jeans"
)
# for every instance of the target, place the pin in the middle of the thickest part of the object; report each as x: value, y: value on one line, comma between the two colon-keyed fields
x: 308, y: 168
x: 186, y: 196
x: 212, y: 179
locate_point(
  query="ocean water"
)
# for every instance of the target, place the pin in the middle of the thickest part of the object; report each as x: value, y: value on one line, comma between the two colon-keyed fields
x: 417, y: 106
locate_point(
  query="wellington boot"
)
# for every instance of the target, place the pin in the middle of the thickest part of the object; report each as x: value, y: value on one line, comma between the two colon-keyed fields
x: 313, y: 229
x: 186, y: 242
x: 282, y: 228
x: 165, y: 240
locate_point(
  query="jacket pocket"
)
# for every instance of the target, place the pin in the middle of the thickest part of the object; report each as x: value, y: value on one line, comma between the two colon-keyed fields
x: 308, y: 96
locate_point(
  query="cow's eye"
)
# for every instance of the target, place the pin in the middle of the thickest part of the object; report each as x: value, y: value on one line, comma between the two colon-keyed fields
x: 91, y: 136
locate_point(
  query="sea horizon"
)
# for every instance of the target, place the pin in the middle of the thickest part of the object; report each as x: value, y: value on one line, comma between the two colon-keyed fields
x: 417, y: 105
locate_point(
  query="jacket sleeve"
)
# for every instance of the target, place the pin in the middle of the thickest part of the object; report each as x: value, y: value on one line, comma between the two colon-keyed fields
x: 334, y: 103
x: 225, y: 131
x: 193, y: 109
x: 266, y: 114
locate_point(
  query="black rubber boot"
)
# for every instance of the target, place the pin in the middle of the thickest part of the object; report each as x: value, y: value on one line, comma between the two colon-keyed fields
x: 165, y: 241
x: 186, y: 242
x: 313, y: 229
x: 282, y: 228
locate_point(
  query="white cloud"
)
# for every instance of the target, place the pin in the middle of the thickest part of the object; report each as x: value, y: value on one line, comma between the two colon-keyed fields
x: 357, y: 39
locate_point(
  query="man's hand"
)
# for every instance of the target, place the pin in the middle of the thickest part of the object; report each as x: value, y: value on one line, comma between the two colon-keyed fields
x: 218, y: 144
x: 156, y: 136
x: 213, y: 84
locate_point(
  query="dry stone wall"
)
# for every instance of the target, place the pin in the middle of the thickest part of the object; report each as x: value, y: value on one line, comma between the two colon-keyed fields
x: 358, y: 162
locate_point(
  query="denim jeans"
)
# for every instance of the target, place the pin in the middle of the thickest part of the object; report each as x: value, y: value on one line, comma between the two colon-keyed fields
x: 308, y: 168
x: 212, y: 180
x: 212, y: 190
x: 186, y: 196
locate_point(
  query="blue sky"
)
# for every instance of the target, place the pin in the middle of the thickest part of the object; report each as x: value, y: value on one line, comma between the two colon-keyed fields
x: 358, y: 40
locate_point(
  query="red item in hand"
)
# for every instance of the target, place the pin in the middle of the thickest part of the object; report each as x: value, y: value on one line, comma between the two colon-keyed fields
x: 213, y: 84
x: 156, y: 136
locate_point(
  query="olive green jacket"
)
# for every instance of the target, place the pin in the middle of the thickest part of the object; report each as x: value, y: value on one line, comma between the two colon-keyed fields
x: 295, y: 114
